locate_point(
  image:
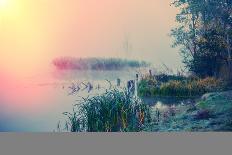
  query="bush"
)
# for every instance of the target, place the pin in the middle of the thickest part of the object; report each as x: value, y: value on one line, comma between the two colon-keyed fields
x: 147, y: 85
x: 112, y: 111
x: 211, y: 84
x: 180, y: 87
x: 166, y: 78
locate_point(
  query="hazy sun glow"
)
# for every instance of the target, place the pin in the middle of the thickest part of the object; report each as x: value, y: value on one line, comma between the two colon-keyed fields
x: 3, y: 3
x: 32, y: 33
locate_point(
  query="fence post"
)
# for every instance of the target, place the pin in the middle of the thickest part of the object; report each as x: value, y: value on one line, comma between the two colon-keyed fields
x: 150, y: 73
x: 118, y: 82
x: 136, y: 85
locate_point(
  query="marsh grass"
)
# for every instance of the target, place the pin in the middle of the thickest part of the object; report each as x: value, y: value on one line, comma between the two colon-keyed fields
x: 178, y: 86
x: 114, y: 111
x: 71, y: 63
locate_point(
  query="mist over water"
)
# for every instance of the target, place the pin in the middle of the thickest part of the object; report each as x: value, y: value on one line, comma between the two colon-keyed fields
x: 32, y: 94
x: 134, y: 29
x: 37, y: 103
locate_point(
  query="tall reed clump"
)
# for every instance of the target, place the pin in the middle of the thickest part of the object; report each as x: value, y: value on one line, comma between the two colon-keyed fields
x: 113, y: 111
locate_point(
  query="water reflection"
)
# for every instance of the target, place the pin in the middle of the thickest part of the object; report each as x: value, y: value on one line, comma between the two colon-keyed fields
x: 152, y: 101
x: 37, y: 103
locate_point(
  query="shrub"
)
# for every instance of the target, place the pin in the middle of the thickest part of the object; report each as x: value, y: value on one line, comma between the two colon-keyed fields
x: 165, y: 78
x: 147, y: 86
x: 183, y: 87
x: 211, y: 84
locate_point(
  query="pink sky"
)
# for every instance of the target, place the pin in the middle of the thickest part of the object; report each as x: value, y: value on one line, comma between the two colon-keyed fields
x: 32, y: 33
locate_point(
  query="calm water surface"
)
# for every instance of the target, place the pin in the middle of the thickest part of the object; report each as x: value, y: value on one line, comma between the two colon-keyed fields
x: 36, y: 103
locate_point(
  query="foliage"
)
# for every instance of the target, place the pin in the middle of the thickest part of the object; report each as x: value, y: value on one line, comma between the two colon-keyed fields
x: 178, y: 87
x: 166, y: 77
x: 68, y: 63
x: 205, y: 36
x: 113, y: 111
x: 213, y: 113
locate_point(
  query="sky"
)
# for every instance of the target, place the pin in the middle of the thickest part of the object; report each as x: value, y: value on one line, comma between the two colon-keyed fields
x: 32, y: 33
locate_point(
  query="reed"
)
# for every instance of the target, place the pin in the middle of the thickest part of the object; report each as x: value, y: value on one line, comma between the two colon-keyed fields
x: 71, y: 63
x: 114, y: 111
x: 178, y: 86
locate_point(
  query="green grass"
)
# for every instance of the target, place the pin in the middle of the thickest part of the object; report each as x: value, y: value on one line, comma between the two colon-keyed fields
x: 113, y: 111
x: 178, y: 86
x: 216, y: 102
x: 211, y: 113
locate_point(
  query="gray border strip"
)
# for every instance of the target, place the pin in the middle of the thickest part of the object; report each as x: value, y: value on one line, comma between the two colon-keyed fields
x: 115, y: 143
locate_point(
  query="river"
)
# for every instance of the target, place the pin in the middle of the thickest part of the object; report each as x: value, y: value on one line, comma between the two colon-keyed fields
x: 36, y: 103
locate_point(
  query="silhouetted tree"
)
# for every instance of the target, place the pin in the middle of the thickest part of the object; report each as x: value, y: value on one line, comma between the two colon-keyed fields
x: 204, y: 35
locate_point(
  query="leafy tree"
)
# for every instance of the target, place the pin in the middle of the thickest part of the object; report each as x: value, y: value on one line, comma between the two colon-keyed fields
x: 204, y: 35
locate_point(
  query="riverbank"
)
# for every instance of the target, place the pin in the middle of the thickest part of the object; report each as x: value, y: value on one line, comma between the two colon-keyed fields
x: 116, y: 111
x: 178, y: 104
x: 178, y: 86
x: 213, y: 112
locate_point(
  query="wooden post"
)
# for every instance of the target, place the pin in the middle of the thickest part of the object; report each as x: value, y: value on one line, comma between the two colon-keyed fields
x: 131, y: 87
x: 137, y: 77
x: 118, y: 82
x: 136, y: 85
x: 150, y: 73
x: 128, y: 86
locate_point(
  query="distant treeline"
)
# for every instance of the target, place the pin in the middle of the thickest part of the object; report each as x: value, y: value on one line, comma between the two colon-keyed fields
x: 70, y: 63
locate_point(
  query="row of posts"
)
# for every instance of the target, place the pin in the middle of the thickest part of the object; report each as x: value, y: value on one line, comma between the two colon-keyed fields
x: 132, y: 85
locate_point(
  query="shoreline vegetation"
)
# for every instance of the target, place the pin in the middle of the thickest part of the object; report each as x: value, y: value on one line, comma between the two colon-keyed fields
x: 178, y: 86
x: 71, y: 63
x: 117, y: 110
x: 204, y: 38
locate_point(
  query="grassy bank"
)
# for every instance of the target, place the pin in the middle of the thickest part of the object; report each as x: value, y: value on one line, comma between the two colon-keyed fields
x: 178, y: 86
x: 117, y: 111
x: 211, y: 113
